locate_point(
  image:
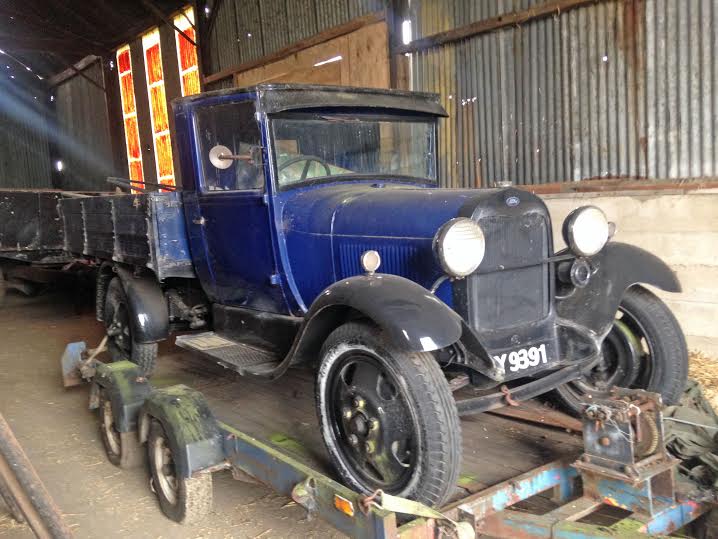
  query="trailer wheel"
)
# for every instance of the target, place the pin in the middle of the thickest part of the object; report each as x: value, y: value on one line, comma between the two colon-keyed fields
x: 182, y: 500
x: 121, y: 344
x: 388, y: 417
x: 123, y: 448
x: 645, y: 349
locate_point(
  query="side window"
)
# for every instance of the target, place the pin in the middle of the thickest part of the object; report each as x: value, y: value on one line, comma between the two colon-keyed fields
x: 234, y: 128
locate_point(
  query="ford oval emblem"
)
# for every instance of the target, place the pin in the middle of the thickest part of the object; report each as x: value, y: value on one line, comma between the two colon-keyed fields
x: 512, y: 201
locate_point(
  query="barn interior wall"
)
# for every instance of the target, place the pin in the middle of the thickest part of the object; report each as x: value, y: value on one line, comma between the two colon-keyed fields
x: 83, y: 141
x: 246, y: 30
x: 614, y: 89
x: 677, y: 226
x: 24, y: 149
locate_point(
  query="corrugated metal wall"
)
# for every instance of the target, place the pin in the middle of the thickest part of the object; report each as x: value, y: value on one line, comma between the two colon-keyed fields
x: 24, y: 153
x: 83, y: 138
x: 245, y: 30
x: 615, y: 89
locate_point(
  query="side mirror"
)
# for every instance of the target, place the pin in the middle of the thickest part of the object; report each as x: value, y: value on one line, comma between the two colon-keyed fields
x: 221, y: 157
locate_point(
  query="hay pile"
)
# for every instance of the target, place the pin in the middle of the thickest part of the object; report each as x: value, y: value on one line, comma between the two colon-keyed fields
x: 704, y: 370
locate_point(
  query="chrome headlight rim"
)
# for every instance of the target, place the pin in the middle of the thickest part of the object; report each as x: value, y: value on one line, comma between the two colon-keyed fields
x: 440, y: 247
x: 572, y: 232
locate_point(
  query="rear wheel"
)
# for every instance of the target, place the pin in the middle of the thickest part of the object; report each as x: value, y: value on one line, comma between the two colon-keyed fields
x: 645, y: 349
x: 123, y: 448
x: 184, y: 500
x: 388, y: 417
x: 120, y: 343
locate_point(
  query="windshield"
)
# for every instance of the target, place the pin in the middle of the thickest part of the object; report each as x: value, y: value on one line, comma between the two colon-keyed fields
x: 315, y: 147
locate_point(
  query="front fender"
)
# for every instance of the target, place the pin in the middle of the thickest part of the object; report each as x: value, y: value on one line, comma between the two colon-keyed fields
x: 617, y: 267
x: 415, y: 319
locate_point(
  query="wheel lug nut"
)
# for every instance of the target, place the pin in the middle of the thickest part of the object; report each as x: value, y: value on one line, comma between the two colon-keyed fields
x: 374, y: 424
x: 353, y: 439
x: 359, y: 402
x: 347, y: 413
x: 369, y: 447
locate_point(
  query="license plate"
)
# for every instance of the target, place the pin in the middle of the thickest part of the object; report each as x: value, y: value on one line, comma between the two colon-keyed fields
x: 524, y: 358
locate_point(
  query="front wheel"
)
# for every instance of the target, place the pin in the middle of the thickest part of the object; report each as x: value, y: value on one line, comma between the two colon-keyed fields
x: 645, y: 349
x: 388, y: 417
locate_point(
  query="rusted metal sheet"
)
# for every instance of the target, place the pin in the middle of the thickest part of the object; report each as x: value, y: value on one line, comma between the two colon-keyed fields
x: 615, y: 89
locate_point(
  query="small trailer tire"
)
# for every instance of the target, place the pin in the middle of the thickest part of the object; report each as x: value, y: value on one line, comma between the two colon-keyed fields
x: 123, y: 449
x: 184, y: 500
x: 121, y: 344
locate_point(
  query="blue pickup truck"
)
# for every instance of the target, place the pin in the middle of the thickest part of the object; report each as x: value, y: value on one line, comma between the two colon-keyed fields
x: 309, y: 229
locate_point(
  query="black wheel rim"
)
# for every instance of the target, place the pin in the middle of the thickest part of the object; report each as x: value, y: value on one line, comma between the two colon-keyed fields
x: 627, y: 359
x: 118, y: 326
x: 373, y: 423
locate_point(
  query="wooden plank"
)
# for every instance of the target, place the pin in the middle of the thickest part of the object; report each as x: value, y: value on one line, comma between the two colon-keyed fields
x: 368, y: 55
x: 495, y: 23
x: 323, y: 37
x: 70, y: 72
x: 535, y: 412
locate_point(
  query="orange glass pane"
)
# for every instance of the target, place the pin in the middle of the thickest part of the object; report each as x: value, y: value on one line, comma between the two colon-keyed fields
x: 153, y: 64
x: 159, y: 108
x: 132, y: 134
x: 128, y: 93
x: 163, y: 146
x: 190, y: 83
x: 168, y: 181
x: 123, y: 61
x: 136, y: 171
x: 187, y: 51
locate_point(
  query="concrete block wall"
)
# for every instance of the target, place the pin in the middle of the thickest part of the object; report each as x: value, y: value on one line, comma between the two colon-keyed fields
x: 681, y: 227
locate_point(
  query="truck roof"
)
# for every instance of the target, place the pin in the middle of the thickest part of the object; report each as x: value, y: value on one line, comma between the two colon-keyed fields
x: 272, y: 98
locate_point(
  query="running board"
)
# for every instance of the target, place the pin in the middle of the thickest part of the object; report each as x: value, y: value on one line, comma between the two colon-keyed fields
x: 237, y: 356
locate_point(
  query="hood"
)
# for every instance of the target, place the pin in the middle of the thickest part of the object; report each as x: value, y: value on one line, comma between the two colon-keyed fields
x: 395, y: 211
x: 327, y: 228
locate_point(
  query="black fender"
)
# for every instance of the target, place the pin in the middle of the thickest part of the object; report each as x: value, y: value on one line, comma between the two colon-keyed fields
x: 193, y: 433
x: 414, y: 318
x: 616, y: 268
x: 127, y: 390
x: 147, y: 304
x: 104, y: 275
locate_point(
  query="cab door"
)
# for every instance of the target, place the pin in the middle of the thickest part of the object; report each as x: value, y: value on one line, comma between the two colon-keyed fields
x: 228, y: 217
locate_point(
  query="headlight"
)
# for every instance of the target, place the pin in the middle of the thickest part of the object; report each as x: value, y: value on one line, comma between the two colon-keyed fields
x: 586, y: 230
x: 459, y: 245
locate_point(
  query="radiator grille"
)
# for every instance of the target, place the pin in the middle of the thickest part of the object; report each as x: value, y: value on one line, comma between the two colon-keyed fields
x: 501, y: 299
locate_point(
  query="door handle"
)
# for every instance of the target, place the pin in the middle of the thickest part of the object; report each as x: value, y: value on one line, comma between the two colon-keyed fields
x: 199, y: 221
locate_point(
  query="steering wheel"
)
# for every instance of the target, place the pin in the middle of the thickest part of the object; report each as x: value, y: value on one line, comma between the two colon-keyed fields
x: 308, y: 158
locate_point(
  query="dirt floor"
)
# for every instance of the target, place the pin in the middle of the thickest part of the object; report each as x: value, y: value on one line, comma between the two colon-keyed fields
x: 61, y: 438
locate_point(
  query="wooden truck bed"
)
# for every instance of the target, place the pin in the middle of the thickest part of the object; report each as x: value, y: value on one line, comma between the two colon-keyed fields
x: 145, y: 229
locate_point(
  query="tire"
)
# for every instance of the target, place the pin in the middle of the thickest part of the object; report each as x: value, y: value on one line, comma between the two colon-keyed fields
x: 182, y: 500
x: 121, y: 344
x: 649, y: 334
x: 410, y: 417
x: 123, y: 449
